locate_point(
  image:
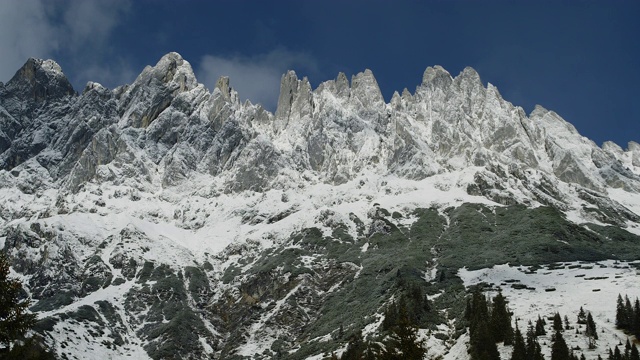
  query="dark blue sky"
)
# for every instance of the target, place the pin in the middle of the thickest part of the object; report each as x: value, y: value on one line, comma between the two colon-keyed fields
x: 578, y: 58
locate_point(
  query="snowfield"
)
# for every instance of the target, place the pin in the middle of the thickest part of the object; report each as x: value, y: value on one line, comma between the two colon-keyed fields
x: 592, y: 286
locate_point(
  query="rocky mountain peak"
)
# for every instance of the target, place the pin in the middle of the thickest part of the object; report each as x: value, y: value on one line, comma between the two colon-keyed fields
x: 436, y: 76
x: 468, y: 79
x: 40, y: 80
x: 159, y: 206
x: 365, y: 89
x: 223, y: 86
x: 155, y: 88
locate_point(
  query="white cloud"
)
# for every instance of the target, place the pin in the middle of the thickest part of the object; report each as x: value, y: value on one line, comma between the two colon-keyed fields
x: 25, y: 31
x: 256, y: 78
x: 79, y: 29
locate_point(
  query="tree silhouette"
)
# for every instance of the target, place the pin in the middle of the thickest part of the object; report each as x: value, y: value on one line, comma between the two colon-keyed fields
x: 501, y: 320
x: 15, y: 319
x: 559, y: 349
x: 519, y: 348
x: 403, y: 341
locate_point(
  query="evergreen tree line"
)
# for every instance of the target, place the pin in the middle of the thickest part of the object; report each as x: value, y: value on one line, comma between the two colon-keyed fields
x: 488, y: 325
x: 628, y: 316
x: 630, y: 353
x: 400, y: 324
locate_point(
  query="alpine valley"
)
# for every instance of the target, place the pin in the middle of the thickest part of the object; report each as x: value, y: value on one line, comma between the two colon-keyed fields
x: 163, y: 220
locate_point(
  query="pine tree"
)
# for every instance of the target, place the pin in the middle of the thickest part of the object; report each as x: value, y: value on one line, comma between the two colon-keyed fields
x: 621, y: 315
x: 482, y: 345
x: 634, y: 355
x: 616, y: 354
x: 534, y: 351
x: 559, y: 349
x: 519, y: 348
x: 501, y: 320
x: 14, y: 318
x: 591, y: 331
x: 636, y: 319
x: 557, y: 322
x: 628, y: 311
x: 540, y: 327
x: 403, y: 341
x: 390, y: 316
x: 627, y: 349
x: 355, y: 348
x: 582, y: 316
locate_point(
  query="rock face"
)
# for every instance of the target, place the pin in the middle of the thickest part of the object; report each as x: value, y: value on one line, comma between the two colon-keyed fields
x: 173, y: 207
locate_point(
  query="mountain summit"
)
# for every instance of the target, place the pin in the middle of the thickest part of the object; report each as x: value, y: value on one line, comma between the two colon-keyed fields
x: 136, y: 213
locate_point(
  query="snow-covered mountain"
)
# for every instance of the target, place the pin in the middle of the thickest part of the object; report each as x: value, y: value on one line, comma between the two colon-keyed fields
x: 161, y: 219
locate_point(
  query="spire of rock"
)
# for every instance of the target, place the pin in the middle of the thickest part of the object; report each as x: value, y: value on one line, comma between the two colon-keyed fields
x: 364, y: 88
x: 223, y: 85
x: 288, y: 90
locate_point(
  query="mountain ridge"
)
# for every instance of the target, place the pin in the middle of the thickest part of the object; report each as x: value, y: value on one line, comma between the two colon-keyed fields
x: 244, y: 223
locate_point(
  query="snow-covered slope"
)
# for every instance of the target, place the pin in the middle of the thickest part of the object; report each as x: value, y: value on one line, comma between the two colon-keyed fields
x: 160, y: 203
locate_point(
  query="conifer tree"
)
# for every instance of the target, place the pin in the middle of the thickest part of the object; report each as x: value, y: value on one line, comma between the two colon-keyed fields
x: 582, y: 316
x: 557, y: 322
x: 482, y: 345
x: 636, y: 319
x: 403, y: 341
x: 621, y: 315
x: 617, y: 355
x: 633, y: 354
x: 540, y: 327
x: 519, y: 349
x: 501, y: 320
x: 628, y: 311
x: 15, y: 319
x: 627, y: 349
x: 591, y: 331
x: 559, y: 349
x: 355, y: 348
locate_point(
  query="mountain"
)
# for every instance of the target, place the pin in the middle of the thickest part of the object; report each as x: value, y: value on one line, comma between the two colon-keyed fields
x: 164, y: 220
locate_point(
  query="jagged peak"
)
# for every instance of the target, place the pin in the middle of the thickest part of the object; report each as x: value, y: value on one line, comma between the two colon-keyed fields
x: 365, y: 87
x: 41, y: 80
x: 633, y: 146
x: 288, y: 90
x: 224, y: 87
x: 342, y: 83
x: 91, y: 85
x: 33, y: 65
x: 362, y: 77
x: 468, y: 77
x: 538, y: 111
x: 610, y: 146
x: 171, y: 68
x: 396, y: 100
x: 436, y: 75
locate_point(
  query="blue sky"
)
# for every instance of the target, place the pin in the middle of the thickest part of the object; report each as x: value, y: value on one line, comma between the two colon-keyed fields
x: 578, y: 58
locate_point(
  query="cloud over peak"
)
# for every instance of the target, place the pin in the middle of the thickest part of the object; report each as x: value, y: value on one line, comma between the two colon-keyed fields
x: 257, y: 77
